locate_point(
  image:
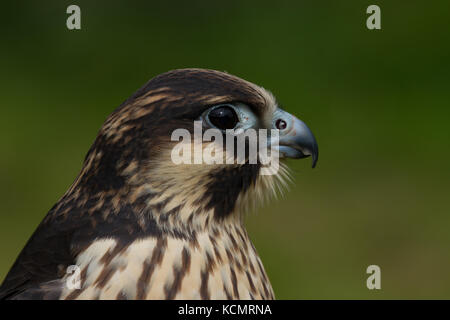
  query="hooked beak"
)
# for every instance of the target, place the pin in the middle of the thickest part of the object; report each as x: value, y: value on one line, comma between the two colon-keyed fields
x: 296, y: 140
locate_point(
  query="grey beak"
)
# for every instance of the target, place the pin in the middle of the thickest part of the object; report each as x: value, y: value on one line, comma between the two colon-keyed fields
x: 297, y: 141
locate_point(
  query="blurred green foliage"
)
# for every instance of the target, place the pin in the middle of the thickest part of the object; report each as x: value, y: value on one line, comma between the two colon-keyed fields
x: 377, y: 101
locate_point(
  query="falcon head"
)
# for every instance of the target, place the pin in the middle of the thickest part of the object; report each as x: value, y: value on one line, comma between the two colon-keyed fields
x: 129, y: 171
x: 141, y: 225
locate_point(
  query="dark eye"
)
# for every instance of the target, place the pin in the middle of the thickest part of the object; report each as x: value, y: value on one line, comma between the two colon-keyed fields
x: 223, y: 117
x: 280, y: 124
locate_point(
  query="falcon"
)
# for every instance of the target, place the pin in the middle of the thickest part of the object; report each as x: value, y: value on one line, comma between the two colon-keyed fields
x: 135, y: 225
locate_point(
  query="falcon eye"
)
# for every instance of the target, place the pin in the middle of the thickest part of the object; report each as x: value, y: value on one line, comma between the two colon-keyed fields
x: 223, y: 117
x: 280, y: 124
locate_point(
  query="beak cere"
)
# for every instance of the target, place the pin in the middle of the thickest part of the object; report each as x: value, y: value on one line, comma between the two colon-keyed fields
x: 297, y: 141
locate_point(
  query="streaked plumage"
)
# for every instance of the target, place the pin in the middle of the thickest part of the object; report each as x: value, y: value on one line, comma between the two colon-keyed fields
x: 139, y: 226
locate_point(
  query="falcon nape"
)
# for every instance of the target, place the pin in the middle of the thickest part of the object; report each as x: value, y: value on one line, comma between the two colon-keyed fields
x: 138, y: 226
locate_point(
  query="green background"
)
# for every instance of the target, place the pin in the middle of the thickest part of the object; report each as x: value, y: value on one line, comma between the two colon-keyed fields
x: 377, y: 101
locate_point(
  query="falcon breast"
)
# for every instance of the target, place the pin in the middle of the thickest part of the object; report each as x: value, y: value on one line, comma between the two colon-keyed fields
x: 138, y: 226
